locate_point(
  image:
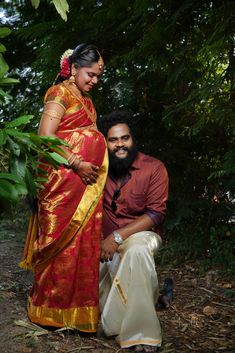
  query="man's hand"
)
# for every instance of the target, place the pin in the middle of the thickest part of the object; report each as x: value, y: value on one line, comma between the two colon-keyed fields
x: 108, y: 248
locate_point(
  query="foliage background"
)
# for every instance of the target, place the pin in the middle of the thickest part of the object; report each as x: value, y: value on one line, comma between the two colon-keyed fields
x: 172, y: 65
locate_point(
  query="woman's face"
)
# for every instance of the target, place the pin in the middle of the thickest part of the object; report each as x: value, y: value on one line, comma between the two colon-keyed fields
x: 86, y: 77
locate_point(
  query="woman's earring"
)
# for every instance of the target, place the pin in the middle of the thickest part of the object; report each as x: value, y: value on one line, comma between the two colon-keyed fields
x: 72, y: 79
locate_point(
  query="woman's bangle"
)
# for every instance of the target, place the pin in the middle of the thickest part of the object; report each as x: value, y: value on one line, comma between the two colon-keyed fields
x: 71, y: 159
x: 75, y: 166
x: 74, y: 161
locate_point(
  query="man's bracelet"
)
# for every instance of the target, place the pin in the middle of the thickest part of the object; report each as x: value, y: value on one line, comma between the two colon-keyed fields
x: 117, y: 237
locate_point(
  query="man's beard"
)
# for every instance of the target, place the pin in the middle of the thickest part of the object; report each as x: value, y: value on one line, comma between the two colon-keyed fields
x: 118, y: 167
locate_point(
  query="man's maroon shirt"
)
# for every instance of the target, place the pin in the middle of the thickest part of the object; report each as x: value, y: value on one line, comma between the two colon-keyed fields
x: 145, y: 191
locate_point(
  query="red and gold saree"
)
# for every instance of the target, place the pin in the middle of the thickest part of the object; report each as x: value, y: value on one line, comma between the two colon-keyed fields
x: 65, y: 252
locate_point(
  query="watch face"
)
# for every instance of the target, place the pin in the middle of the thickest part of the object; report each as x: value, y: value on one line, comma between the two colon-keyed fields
x: 117, y: 238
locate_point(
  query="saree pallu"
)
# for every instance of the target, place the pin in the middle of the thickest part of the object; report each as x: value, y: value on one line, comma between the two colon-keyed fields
x: 66, y: 252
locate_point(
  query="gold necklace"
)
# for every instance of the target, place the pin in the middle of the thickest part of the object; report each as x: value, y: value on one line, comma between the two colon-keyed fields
x: 73, y: 89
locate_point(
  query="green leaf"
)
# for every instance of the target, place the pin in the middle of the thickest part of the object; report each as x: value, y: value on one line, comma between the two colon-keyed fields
x: 53, y: 140
x: 58, y: 149
x: 4, y: 94
x: 42, y: 180
x: 62, y: 7
x: 4, y: 31
x: 18, y: 166
x: 14, y: 147
x: 35, y: 3
x: 10, y: 176
x: 37, y: 140
x: 21, y: 189
x: 22, y: 120
x: 17, y: 133
x: 3, y: 66
x: 8, y: 81
x: 30, y: 183
x: 2, y: 48
x: 3, y: 137
x: 58, y: 158
x: 8, y: 191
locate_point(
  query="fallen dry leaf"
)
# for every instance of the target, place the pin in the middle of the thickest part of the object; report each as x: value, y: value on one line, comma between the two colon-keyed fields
x: 209, y: 311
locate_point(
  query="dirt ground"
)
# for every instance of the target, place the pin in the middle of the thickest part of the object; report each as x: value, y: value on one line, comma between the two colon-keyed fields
x: 200, y: 319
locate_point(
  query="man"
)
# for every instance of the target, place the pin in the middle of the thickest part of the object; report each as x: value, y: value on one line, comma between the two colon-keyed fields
x: 134, y: 207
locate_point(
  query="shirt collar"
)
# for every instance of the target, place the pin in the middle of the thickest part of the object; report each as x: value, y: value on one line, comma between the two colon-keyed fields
x: 136, y: 163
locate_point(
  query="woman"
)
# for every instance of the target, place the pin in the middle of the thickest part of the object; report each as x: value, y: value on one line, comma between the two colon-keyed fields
x: 63, y: 242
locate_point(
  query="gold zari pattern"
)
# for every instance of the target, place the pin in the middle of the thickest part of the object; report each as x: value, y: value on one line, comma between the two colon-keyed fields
x: 53, y: 114
x: 73, y: 317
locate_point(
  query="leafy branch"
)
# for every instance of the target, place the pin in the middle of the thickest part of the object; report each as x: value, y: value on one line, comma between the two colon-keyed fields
x: 20, y: 170
x: 61, y: 6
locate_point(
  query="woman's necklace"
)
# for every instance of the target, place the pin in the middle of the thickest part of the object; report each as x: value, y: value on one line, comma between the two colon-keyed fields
x: 77, y: 94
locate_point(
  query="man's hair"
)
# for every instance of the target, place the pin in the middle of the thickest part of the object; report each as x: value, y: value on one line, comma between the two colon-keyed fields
x: 117, y: 117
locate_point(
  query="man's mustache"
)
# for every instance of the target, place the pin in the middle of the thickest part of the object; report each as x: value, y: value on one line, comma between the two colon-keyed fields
x: 120, y: 148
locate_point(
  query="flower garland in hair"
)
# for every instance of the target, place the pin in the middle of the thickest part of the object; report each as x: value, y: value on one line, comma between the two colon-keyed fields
x: 65, y: 64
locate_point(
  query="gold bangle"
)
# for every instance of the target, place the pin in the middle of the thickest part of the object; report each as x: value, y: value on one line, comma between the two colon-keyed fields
x: 71, y: 159
x: 76, y: 167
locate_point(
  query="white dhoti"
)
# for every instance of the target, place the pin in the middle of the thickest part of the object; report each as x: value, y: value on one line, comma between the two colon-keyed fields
x: 129, y: 291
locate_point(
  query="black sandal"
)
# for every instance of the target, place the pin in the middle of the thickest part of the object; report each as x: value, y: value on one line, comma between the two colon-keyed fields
x: 166, y: 294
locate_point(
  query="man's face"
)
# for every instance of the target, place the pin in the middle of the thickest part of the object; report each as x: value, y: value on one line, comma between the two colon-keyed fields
x: 119, y: 141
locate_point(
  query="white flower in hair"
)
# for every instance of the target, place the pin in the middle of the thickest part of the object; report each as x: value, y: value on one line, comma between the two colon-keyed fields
x: 66, y: 54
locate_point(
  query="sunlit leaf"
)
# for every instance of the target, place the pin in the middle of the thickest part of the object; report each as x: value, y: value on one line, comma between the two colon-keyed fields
x: 3, y: 137
x: 58, y: 158
x: 2, y: 48
x: 17, y: 133
x: 62, y: 8
x: 4, y: 31
x: 58, y: 149
x: 48, y: 139
x: 35, y: 3
x: 22, y: 120
x: 4, y: 94
x: 3, y: 66
x: 8, y: 81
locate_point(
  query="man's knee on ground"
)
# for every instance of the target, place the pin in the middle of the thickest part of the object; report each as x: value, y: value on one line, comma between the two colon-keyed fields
x: 146, y: 242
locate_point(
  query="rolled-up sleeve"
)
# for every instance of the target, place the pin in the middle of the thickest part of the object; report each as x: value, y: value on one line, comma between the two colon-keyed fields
x: 157, y: 194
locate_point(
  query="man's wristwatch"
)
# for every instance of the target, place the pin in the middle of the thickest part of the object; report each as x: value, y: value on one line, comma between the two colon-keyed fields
x: 117, y: 237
